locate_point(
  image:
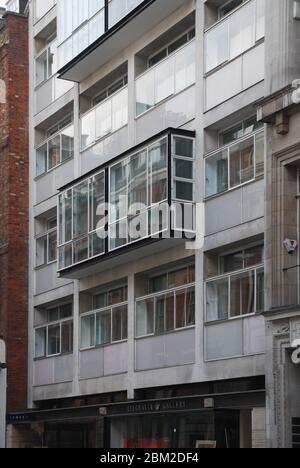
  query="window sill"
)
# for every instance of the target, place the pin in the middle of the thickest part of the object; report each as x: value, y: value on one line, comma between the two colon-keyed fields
x: 232, y: 319
x: 172, y: 332
x: 55, y: 356
x: 238, y: 187
x: 109, y: 345
x: 38, y: 268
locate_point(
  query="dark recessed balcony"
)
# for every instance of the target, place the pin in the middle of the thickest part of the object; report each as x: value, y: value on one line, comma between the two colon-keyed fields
x: 111, y: 29
x: 139, y: 204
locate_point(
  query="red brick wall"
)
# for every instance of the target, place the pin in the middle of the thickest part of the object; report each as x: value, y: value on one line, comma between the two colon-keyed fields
x: 14, y: 206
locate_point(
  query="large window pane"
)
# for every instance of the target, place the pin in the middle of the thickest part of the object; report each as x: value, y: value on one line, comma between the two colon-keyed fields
x: 242, y: 30
x: 260, y: 154
x: 164, y: 80
x: 242, y: 294
x: 88, y: 331
x: 180, y: 310
x: 158, y: 157
x: 260, y: 290
x: 164, y: 313
x: 216, y: 46
x: 54, y: 152
x: 67, y: 143
x: 216, y: 173
x: 41, y: 65
x: 65, y: 256
x: 40, y: 342
x: 119, y: 324
x: 97, y: 200
x: 217, y: 300
x: 103, y: 119
x: 120, y: 110
x: 41, y: 251
x: 41, y: 159
x: 185, y: 67
x: 183, y: 147
x: 80, y: 250
x: 53, y: 340
x: 118, y: 191
x: 233, y: 262
x: 67, y: 337
x: 190, y: 307
x: 145, y: 317
x: 241, y: 162
x: 88, y: 129
x: 145, y: 95
x: 103, y: 328
x: 52, y: 246
x: 80, y: 209
x: 137, y: 171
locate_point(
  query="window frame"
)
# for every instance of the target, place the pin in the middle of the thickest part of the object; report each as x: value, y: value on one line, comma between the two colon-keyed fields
x: 256, y: 269
x: 46, y: 235
x: 58, y: 133
x: 60, y: 322
x: 227, y: 148
x: 95, y: 313
x: 51, y: 41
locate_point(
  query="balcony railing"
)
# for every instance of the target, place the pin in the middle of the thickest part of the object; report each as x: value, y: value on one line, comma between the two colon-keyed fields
x: 118, y: 10
x: 234, y: 34
x: 55, y: 150
x: 167, y: 78
x: 107, y: 117
x: 148, y: 194
x: 165, y: 312
x: 235, y: 295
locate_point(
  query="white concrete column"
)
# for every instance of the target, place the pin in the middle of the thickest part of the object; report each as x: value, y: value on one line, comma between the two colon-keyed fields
x: 76, y: 334
x: 131, y: 334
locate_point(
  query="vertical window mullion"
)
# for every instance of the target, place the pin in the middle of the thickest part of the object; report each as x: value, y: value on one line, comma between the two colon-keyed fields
x: 229, y: 296
x: 255, y: 291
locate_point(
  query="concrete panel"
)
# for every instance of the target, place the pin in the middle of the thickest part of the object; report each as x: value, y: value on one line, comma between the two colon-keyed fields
x: 175, y: 112
x: 48, y: 184
x: 223, y: 212
x: 43, y: 96
x: 254, y: 66
x: 116, y: 359
x: 54, y: 370
x: 224, y: 340
x: 254, y: 335
x: 224, y: 83
x: 174, y: 349
x: 253, y: 204
x: 63, y: 369
x: 46, y: 279
x: 91, y: 364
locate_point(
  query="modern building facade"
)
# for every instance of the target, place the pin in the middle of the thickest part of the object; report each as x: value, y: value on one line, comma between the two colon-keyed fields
x: 14, y: 164
x: 147, y: 222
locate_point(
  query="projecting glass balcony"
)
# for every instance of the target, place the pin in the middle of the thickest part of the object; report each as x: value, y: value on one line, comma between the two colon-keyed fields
x: 149, y: 194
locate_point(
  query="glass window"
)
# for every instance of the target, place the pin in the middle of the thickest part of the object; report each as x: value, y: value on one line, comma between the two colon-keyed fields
x: 52, y: 246
x: 254, y: 256
x: 65, y: 217
x: 158, y: 156
x: 67, y: 144
x: 217, y: 296
x: 180, y: 309
x: 137, y: 190
x: 80, y: 207
x: 233, y: 262
x: 241, y: 30
x: 54, y: 152
x: 260, y: 290
x: 41, y: 65
x: 88, y: 129
x: 190, y: 307
x: 164, y: 311
x: 260, y: 154
x: 88, y: 331
x: 118, y: 191
x: 241, y: 163
x: 97, y: 201
x: 81, y: 250
x: 216, y: 173
x: 164, y: 80
x: 183, y: 169
x: 183, y: 147
x: 103, y: 328
x: 41, y: 160
x: 67, y: 337
x: 40, y: 342
x: 66, y: 311
x: 119, y: 324
x: 185, y: 68
x: 145, y: 317
x: 178, y: 278
x: 242, y: 294
x: 216, y: 46
x: 103, y: 119
x: 117, y: 296
x: 41, y: 251
x: 159, y: 283
x: 145, y: 92
x: 119, y: 110
x: 53, y: 340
